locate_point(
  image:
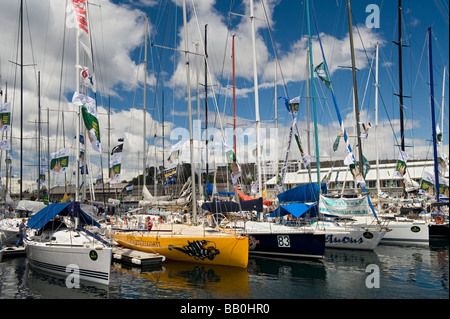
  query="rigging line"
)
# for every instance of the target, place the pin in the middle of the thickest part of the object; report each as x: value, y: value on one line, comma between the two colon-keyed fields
x: 209, y: 74
x: 274, y: 50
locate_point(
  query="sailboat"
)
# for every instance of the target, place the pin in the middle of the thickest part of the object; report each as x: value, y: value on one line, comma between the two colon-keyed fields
x: 189, y: 242
x: 67, y: 241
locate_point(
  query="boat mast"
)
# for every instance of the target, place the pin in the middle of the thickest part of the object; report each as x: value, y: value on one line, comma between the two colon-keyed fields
x: 191, y: 141
x: 206, y: 106
x: 400, y: 74
x: 145, y: 105
x: 21, y: 97
x: 313, y: 96
x: 433, y: 121
x: 39, y: 137
x: 355, y: 89
x: 234, y: 100
x: 376, y: 124
x: 255, y: 80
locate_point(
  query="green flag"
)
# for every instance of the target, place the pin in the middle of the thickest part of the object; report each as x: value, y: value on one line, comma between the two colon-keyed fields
x: 90, y: 119
x: 323, y: 75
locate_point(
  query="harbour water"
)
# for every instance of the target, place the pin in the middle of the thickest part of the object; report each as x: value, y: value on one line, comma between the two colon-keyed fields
x: 389, y: 272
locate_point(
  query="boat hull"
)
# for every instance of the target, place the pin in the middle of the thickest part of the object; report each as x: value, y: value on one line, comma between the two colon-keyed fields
x: 407, y: 233
x: 439, y: 230
x: 297, y: 245
x: 353, y: 239
x: 93, y: 263
x: 212, y: 250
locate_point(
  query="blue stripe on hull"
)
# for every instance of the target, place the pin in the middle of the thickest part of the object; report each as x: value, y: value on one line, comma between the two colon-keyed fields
x: 288, y: 244
x: 87, y: 274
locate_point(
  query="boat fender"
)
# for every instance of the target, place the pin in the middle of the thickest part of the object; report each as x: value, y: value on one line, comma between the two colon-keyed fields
x: 439, y: 220
x: 136, y: 261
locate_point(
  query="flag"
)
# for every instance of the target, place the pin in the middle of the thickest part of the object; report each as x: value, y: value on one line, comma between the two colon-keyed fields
x: 42, y: 170
x: 366, y: 166
x: 442, y: 161
x: 114, y: 168
x: 427, y: 184
x: 99, y: 180
x: 438, y: 135
x: 327, y: 177
x: 87, y: 78
x: 366, y: 128
x: 81, y: 22
x: 305, y: 156
x: 170, y: 181
x: 60, y: 161
x: 89, y: 112
x: 443, y: 186
x: 400, y: 168
x: 175, y: 152
x: 357, y: 177
x: 117, y: 149
x: 336, y: 142
x: 323, y: 75
x: 234, y: 167
x: 292, y: 105
x: 5, y: 114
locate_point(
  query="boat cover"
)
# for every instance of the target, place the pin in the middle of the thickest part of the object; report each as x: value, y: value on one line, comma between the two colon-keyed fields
x: 230, y: 206
x: 296, y: 209
x: 42, y: 217
x: 209, y: 190
x: 303, y: 193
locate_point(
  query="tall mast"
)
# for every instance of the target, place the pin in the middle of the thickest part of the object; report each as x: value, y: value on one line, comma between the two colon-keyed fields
x: 206, y: 104
x: 191, y: 141
x: 376, y: 123
x: 39, y: 136
x: 433, y: 120
x: 400, y: 74
x: 355, y: 89
x: 255, y: 80
x: 21, y: 96
x: 145, y: 104
x: 313, y: 96
x: 234, y: 101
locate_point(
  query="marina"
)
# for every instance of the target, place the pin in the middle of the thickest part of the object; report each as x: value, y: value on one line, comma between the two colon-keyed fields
x: 312, y: 191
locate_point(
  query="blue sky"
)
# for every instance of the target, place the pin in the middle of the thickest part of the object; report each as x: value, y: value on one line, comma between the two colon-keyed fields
x: 118, y: 31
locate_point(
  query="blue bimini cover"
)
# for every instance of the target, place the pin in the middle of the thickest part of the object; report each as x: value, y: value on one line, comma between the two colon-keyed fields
x: 296, y: 209
x: 42, y: 217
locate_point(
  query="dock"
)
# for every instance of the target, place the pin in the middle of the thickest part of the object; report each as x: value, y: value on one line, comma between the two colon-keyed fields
x: 136, y: 257
x: 13, y: 251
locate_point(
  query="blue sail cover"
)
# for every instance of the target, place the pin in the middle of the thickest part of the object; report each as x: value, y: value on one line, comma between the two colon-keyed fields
x: 303, y: 193
x: 296, y: 209
x: 230, y: 207
x: 42, y: 217
x: 209, y: 190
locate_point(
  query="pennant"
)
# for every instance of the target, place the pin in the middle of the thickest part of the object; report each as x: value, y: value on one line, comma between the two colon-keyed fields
x: 442, y: 161
x: 175, y: 153
x: 114, y: 168
x: 366, y: 128
x: 327, y: 177
x: 357, y: 177
x: 89, y: 112
x: 87, y: 78
x: 59, y: 161
x: 117, y: 149
x: 323, y: 75
x: 439, y: 135
x: 292, y: 105
x: 336, y: 142
x: 99, y: 180
x: 5, y: 115
x: 443, y: 186
x: 427, y: 184
x: 42, y: 170
x: 366, y: 166
x: 400, y: 168
x: 234, y: 167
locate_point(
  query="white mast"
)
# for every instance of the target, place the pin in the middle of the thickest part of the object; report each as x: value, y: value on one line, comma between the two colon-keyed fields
x: 145, y: 105
x: 376, y: 124
x: 255, y: 77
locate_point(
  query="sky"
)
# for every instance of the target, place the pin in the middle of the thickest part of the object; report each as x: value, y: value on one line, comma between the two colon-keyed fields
x: 117, y: 31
